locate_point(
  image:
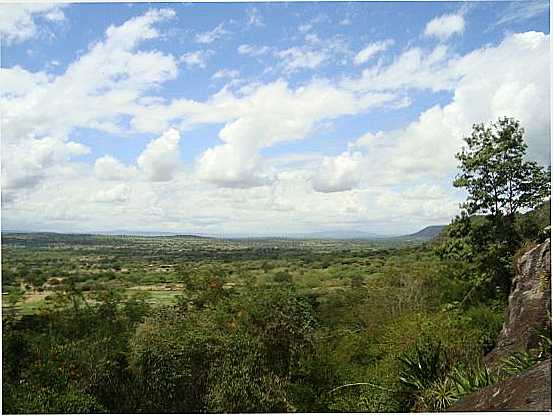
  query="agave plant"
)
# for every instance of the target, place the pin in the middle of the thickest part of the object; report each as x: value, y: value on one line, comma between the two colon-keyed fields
x: 422, y: 366
x: 470, y: 379
x: 517, y: 363
x: 439, y: 396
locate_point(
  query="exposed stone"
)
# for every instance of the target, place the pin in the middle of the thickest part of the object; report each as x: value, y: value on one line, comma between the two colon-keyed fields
x: 528, y: 315
x: 529, y: 309
x: 528, y: 391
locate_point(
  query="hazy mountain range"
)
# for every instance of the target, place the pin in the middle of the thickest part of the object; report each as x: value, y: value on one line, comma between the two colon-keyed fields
x: 426, y: 233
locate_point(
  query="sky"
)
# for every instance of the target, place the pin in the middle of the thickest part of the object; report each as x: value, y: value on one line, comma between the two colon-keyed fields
x: 258, y: 118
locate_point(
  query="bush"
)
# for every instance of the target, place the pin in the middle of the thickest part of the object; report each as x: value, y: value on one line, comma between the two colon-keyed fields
x: 421, y: 366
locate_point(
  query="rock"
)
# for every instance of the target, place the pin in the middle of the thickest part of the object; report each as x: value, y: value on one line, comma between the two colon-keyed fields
x: 529, y: 309
x: 528, y: 391
x: 528, y: 315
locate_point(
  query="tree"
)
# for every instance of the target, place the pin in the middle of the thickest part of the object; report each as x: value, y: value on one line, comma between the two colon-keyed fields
x: 499, y: 181
x: 500, y: 184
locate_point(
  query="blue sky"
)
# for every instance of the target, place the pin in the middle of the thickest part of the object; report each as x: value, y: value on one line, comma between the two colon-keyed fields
x: 256, y: 118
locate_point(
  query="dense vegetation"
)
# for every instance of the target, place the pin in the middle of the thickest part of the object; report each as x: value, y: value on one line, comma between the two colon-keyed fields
x: 184, y: 324
x: 277, y: 326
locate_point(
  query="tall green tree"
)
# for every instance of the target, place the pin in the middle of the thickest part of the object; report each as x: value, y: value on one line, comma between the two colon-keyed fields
x: 499, y: 181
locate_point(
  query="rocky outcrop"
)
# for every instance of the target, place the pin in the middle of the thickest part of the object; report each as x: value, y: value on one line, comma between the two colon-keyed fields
x: 528, y: 316
x: 529, y: 391
x: 529, y: 309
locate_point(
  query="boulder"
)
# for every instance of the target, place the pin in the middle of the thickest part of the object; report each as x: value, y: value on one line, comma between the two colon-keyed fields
x: 529, y: 310
x: 528, y: 391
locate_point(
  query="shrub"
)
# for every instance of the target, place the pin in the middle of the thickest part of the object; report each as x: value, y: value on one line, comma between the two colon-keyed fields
x: 421, y: 366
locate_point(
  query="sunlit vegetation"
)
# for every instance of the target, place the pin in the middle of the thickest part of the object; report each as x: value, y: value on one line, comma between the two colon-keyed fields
x: 179, y: 324
x: 187, y: 324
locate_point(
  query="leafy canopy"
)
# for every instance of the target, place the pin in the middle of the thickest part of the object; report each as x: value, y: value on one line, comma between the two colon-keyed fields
x: 498, y: 179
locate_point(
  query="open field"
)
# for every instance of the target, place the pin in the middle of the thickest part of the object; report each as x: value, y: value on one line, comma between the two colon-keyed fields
x: 160, y: 266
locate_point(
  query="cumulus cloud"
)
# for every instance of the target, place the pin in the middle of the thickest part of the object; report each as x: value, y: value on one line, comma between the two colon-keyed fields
x: 337, y: 174
x: 371, y: 50
x: 236, y: 186
x: 109, y: 168
x: 425, y: 148
x: 27, y: 163
x: 116, y: 194
x: 17, y: 21
x: 271, y: 114
x: 88, y: 97
x: 233, y: 166
x: 160, y: 160
x: 445, y: 26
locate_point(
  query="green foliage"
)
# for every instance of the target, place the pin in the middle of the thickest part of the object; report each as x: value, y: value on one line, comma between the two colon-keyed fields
x: 484, y: 247
x: 169, y: 359
x: 520, y: 361
x: 460, y: 381
x: 15, y: 295
x: 22, y: 399
x: 256, y: 328
x: 517, y: 363
x: 536, y: 224
x: 243, y: 382
x: 282, y: 277
x: 423, y: 365
x: 494, y: 172
x: 467, y: 379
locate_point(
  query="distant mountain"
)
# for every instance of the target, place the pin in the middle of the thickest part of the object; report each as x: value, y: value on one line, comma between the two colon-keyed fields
x: 146, y: 233
x: 334, y: 235
x: 427, y: 233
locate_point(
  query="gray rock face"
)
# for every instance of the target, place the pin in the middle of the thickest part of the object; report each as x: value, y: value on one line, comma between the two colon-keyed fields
x: 529, y: 391
x: 529, y: 309
x: 528, y: 315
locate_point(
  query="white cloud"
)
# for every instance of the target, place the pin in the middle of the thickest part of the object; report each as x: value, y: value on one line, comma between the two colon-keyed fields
x: 523, y: 10
x: 116, y: 194
x: 304, y: 28
x: 109, y: 168
x: 271, y: 114
x: 226, y: 73
x: 161, y: 159
x: 84, y: 96
x: 254, y: 18
x: 424, y: 150
x: 415, y: 68
x: 17, y: 21
x: 337, y: 174
x: 371, y: 50
x: 253, y: 50
x: 16, y: 81
x: 295, y: 58
x: 445, y: 26
x: 234, y: 166
x: 212, y: 35
x: 26, y: 164
x: 196, y: 59
x: 237, y: 186
x: 37, y: 106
